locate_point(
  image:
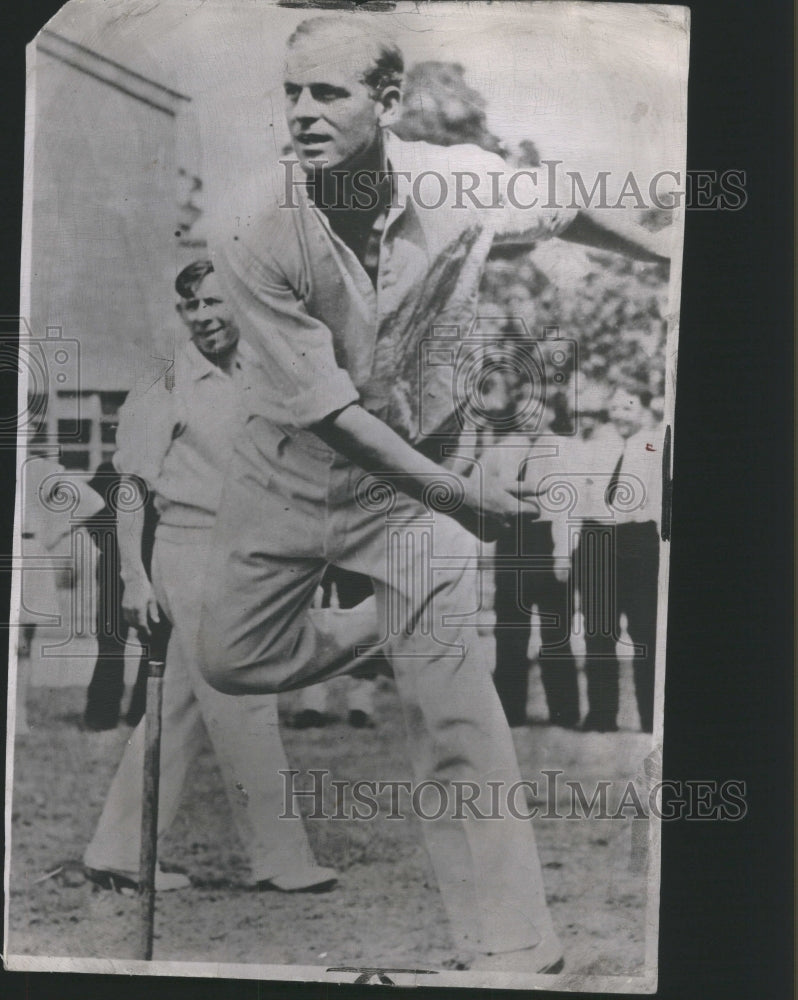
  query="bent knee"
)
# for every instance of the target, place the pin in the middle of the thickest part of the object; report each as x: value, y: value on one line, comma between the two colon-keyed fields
x: 227, y: 671
x: 238, y: 679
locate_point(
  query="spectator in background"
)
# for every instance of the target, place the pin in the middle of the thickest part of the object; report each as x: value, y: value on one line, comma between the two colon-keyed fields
x: 175, y: 439
x: 52, y: 502
x: 524, y: 575
x: 535, y: 584
x: 104, y: 696
x: 624, y: 550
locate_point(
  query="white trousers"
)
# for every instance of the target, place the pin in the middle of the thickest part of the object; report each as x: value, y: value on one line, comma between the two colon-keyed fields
x: 289, y: 508
x: 243, y: 731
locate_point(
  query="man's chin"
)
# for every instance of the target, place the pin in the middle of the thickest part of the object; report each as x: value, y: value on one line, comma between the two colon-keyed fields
x: 313, y: 165
x: 216, y: 350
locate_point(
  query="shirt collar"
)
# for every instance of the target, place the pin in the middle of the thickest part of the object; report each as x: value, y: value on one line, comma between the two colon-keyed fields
x: 397, y: 156
x: 393, y: 156
x: 392, y: 151
x: 200, y: 367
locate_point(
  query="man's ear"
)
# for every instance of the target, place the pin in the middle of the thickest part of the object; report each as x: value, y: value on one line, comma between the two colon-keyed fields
x: 391, y: 102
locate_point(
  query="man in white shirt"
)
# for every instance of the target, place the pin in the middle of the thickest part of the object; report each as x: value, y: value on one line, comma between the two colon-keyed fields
x: 175, y: 439
x: 629, y: 452
x: 525, y: 575
x: 337, y: 301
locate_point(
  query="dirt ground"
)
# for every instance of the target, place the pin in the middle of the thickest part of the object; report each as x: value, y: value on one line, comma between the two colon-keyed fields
x: 386, y: 909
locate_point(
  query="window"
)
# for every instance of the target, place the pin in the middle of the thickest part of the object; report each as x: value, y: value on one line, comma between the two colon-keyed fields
x: 82, y: 424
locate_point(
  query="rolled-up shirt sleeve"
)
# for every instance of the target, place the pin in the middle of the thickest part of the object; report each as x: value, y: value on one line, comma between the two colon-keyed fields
x: 534, y: 203
x: 303, y: 382
x: 148, y: 422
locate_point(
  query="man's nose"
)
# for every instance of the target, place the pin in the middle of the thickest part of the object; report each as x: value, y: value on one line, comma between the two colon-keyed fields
x: 204, y: 314
x: 305, y: 109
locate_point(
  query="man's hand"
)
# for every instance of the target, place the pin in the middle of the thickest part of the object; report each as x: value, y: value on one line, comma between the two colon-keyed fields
x: 491, y: 508
x: 138, y: 601
x: 139, y: 605
x: 488, y: 508
x: 616, y: 233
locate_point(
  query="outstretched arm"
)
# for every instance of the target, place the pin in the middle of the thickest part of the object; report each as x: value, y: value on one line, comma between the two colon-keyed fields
x: 365, y: 440
x: 530, y: 214
x: 606, y: 229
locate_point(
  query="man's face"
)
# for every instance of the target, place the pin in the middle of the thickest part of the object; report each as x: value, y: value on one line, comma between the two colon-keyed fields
x: 210, y: 321
x: 626, y: 413
x: 330, y: 112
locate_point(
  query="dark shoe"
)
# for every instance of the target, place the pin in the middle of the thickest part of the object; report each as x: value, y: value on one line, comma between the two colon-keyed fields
x: 314, y: 878
x: 95, y: 723
x: 133, y: 716
x: 595, y: 723
x: 515, y: 721
x: 564, y: 721
x: 358, y: 719
x: 110, y: 878
x: 308, y: 718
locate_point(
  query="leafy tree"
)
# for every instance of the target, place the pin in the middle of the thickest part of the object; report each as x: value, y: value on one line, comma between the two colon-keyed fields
x: 440, y: 107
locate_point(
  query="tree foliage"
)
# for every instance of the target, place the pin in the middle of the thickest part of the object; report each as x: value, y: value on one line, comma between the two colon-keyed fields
x: 612, y: 307
x: 440, y: 107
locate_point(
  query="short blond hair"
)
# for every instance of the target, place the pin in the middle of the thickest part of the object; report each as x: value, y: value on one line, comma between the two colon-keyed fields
x: 385, y: 67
